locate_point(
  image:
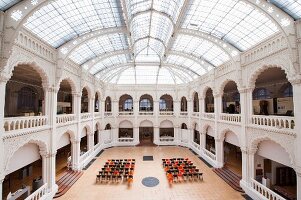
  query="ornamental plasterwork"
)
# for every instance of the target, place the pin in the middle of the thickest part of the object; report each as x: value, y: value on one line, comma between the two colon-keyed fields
x: 255, y: 137
x: 13, y: 144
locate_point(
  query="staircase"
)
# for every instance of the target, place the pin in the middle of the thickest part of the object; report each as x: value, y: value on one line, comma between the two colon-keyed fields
x: 66, y: 181
x: 229, y: 177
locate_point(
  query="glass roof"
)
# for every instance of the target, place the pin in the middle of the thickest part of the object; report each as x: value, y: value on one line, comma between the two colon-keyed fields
x: 98, y: 46
x: 63, y: 20
x: 155, y: 52
x: 292, y: 7
x: 209, y: 51
x: 233, y: 20
x: 6, y: 4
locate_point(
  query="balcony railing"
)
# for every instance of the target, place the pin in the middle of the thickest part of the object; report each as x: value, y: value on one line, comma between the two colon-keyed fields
x: 183, y: 113
x: 166, y: 139
x: 125, y: 139
x: 264, y: 191
x: 235, y: 118
x: 18, y: 123
x: 279, y: 122
x: 209, y: 115
x: 85, y: 116
x: 85, y: 155
x: 146, y: 112
x: 39, y: 194
x: 122, y: 113
x: 195, y: 114
x: 108, y: 114
x: 166, y: 112
x: 196, y: 145
x: 209, y: 154
x: 64, y: 119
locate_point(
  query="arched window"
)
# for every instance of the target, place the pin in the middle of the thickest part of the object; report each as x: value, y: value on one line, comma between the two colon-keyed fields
x: 128, y: 104
x: 27, y: 98
x: 145, y: 104
x: 261, y: 93
x: 162, y: 104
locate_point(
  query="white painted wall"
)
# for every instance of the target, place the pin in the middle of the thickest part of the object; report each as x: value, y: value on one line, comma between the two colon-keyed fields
x: 64, y: 141
x: 126, y: 124
x: 27, y: 154
x: 146, y: 123
x: 273, y: 151
x: 210, y: 132
x: 231, y: 138
x: 166, y: 124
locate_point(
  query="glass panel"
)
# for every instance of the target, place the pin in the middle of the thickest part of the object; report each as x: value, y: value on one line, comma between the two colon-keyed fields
x: 292, y: 7
x: 97, y: 46
x: 127, y: 76
x: 63, y: 20
x: 146, y: 74
x: 6, y: 4
x: 209, y: 51
x: 109, y: 62
x: 235, y: 21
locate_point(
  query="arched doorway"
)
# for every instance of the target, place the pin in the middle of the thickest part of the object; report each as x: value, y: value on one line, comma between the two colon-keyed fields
x: 196, y: 102
x: 96, y: 103
x: 146, y: 133
x: 210, y: 140
x: 84, y: 146
x: 166, y: 131
x: 96, y: 135
x: 63, y: 155
x: 85, y: 101
x: 196, y: 134
x: 231, y: 98
x: 126, y: 130
x: 272, y: 168
x: 24, y: 169
x: 108, y: 104
x: 273, y: 94
x: 232, y: 153
x: 65, y: 98
x: 209, y: 101
x: 24, y: 94
x: 183, y: 104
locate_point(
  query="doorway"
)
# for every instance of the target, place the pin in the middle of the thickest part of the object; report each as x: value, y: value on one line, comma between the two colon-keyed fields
x: 146, y: 136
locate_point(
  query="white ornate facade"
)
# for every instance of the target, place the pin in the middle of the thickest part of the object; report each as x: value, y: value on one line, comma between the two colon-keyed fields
x: 19, y: 46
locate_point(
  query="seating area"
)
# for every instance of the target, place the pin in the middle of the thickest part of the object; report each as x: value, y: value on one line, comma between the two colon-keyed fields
x: 180, y: 170
x: 117, y: 171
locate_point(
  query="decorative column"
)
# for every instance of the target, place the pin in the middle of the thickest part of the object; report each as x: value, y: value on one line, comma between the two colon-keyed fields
x: 1, y: 186
x: 177, y: 132
x: 219, y: 152
x: 136, y: 134
x: 156, y: 108
x: 245, y: 164
x: 91, y: 108
x: 156, y: 134
x: 75, y: 154
x: 48, y: 171
x: 177, y: 107
x: 298, y: 174
x: 115, y: 107
x: 136, y: 107
x: 102, y: 108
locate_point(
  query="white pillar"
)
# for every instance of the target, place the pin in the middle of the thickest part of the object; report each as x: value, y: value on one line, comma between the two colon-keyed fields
x: 219, y: 152
x: 75, y: 154
x: 115, y: 106
x: 298, y: 174
x: 156, y: 108
x: 48, y: 170
x: 136, y: 107
x: 156, y: 134
x: 177, y: 137
x: 177, y: 107
x: 136, y: 134
x: 202, y: 105
x: 1, y: 187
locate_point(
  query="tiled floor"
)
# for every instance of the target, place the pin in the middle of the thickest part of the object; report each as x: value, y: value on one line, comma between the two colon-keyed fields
x: 212, y: 188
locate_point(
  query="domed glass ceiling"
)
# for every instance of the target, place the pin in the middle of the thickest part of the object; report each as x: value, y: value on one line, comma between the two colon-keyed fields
x: 153, y: 41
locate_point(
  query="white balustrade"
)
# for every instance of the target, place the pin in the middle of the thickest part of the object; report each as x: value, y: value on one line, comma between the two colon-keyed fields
x: 196, y: 146
x: 279, y: 122
x: 209, y: 115
x: 125, y: 139
x: 209, y: 154
x: 96, y: 146
x: 18, y: 123
x: 166, y: 139
x: 183, y: 113
x: 66, y: 118
x: 97, y: 114
x: 166, y: 112
x: 125, y: 113
x: 195, y: 114
x: 85, y: 116
x: 39, y: 194
x: 85, y: 156
x: 235, y: 118
x: 146, y: 113
x: 108, y: 114
x: 264, y: 191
